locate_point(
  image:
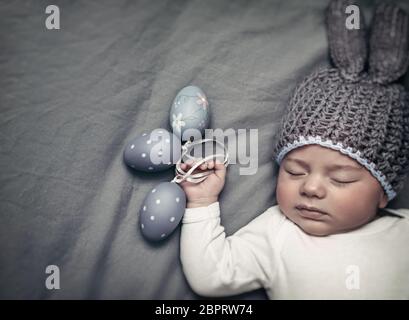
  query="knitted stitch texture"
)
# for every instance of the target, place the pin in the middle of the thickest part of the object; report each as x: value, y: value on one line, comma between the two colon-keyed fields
x: 361, y: 113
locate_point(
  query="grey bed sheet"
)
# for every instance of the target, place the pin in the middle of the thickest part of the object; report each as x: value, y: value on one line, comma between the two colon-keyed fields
x: 70, y: 100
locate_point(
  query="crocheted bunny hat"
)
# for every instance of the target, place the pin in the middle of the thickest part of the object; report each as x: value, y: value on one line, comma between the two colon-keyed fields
x: 356, y: 109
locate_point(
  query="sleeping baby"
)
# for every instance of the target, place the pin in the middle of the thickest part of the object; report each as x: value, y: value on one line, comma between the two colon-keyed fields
x: 343, y: 154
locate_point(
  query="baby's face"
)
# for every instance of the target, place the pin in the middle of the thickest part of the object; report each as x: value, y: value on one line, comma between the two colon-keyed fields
x: 314, y: 176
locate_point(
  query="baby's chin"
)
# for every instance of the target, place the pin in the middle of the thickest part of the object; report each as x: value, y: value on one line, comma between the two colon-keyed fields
x: 315, y: 228
x: 317, y: 231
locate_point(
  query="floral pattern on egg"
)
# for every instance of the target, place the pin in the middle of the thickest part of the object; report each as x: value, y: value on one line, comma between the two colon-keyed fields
x: 190, y: 110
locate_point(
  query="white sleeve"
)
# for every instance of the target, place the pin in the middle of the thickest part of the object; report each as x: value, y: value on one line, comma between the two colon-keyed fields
x: 216, y: 265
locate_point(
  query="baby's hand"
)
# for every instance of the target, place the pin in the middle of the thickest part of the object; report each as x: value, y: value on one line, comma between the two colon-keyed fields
x: 206, y: 192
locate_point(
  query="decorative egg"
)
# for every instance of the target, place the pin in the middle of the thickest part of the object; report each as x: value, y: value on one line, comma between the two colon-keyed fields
x: 153, y: 151
x: 162, y: 210
x: 190, y: 110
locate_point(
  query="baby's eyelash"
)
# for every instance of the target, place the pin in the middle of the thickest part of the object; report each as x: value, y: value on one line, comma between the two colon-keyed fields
x: 342, y: 183
x: 339, y: 184
x: 294, y: 174
x: 336, y: 182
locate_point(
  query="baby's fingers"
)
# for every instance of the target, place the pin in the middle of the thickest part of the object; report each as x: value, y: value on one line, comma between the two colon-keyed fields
x: 210, y: 165
x: 203, y: 166
x: 220, y: 170
x: 188, y: 165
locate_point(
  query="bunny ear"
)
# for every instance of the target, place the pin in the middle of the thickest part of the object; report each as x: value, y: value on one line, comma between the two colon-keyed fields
x: 389, y: 46
x: 348, y: 46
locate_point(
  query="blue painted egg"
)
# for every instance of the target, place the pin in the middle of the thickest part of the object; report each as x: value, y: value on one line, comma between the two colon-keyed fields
x: 162, y: 210
x: 153, y: 151
x: 190, y: 110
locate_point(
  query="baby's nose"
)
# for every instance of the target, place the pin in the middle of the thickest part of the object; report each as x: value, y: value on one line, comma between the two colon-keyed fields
x: 313, y: 187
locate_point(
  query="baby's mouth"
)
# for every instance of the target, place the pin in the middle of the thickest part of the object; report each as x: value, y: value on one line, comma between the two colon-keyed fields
x: 311, y: 212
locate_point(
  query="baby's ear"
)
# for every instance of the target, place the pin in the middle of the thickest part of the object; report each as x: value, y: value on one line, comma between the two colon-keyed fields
x: 389, y: 44
x: 383, y: 200
x: 348, y: 47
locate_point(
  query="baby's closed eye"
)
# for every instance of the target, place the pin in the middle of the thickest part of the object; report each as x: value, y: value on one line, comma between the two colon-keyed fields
x: 294, y: 172
x: 344, y: 181
x: 337, y: 179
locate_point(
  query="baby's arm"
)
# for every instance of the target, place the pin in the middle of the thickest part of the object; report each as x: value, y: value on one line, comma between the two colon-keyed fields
x: 216, y: 265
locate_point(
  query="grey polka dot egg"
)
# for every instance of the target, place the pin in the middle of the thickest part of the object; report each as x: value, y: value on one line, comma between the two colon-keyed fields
x: 162, y: 210
x: 190, y: 110
x: 153, y: 151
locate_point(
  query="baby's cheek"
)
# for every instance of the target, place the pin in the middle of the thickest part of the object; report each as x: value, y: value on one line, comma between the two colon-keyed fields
x: 354, y: 203
x: 285, y: 193
x: 279, y: 194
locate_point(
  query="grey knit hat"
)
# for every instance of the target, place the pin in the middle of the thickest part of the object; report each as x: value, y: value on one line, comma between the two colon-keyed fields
x: 355, y: 108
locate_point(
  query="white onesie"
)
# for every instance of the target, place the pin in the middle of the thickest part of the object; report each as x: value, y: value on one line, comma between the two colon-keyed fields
x: 371, y: 262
